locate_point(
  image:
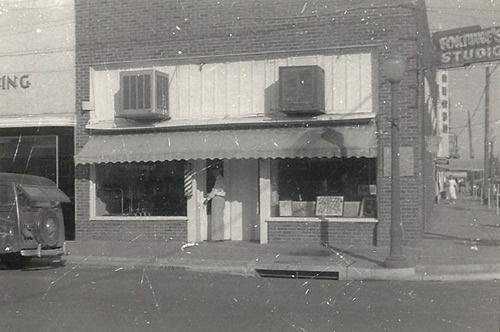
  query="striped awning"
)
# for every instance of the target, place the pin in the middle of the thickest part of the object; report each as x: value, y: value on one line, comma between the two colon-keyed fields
x: 312, y: 142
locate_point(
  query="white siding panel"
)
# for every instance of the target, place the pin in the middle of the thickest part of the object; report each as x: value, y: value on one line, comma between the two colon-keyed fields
x: 208, y: 83
x: 353, y: 83
x: 195, y: 92
x: 340, y: 84
x: 327, y: 64
x: 233, y: 88
x: 281, y: 63
x: 366, y: 92
x: 173, y: 89
x: 184, y: 91
x: 271, y: 85
x: 220, y: 91
x: 303, y: 61
x: 105, y: 92
x: 258, y: 87
x: 245, y: 89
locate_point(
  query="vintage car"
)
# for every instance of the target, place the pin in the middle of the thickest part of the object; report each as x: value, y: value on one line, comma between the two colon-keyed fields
x: 31, y: 219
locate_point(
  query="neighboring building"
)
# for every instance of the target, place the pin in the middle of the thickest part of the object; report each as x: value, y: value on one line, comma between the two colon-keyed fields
x: 288, y: 96
x: 37, y: 93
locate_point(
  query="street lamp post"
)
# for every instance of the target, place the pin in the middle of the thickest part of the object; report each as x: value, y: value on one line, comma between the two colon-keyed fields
x: 394, y: 72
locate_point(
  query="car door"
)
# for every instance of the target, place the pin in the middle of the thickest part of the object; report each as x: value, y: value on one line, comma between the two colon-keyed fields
x: 8, y: 217
x: 42, y: 218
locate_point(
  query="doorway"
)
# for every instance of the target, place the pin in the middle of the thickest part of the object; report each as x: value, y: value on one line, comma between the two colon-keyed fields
x: 241, y: 213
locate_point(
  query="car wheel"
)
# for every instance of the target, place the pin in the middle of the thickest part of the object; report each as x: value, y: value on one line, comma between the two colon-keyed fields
x: 15, y: 260
x: 48, y: 228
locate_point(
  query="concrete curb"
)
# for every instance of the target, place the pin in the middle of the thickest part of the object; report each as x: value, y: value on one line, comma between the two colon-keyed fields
x: 462, y: 268
x: 447, y: 273
x: 484, y: 276
x: 380, y: 274
x: 201, y: 266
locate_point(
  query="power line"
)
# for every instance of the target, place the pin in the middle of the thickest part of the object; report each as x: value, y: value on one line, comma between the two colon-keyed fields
x: 27, y: 71
x: 31, y: 31
x: 465, y: 8
x: 457, y: 15
x: 37, y: 52
x: 34, y: 8
x: 479, y: 103
x: 475, y: 124
x: 476, y: 110
x: 10, y: 2
x: 468, y: 15
x: 50, y: 24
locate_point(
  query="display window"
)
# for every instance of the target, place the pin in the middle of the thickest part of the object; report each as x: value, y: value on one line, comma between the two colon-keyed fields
x: 34, y: 155
x: 340, y: 187
x: 140, y: 189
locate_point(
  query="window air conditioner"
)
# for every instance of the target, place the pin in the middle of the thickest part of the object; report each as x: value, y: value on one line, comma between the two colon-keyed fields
x: 144, y: 95
x: 302, y: 90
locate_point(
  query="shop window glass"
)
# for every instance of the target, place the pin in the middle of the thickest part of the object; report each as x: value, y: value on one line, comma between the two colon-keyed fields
x: 35, y: 155
x: 303, y: 180
x: 140, y: 189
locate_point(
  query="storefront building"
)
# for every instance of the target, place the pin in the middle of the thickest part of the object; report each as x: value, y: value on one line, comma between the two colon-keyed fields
x: 290, y: 102
x: 37, y: 95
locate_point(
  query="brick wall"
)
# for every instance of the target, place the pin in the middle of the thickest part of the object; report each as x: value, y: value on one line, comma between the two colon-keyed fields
x: 82, y: 203
x: 135, y: 230
x: 128, y: 30
x: 333, y: 233
x: 132, y: 32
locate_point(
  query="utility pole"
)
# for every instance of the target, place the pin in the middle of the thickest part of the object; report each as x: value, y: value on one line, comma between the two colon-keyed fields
x: 490, y: 143
x: 486, y: 182
x: 471, y: 148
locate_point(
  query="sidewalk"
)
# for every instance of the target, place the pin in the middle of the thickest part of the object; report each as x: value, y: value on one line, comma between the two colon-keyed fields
x: 461, y: 242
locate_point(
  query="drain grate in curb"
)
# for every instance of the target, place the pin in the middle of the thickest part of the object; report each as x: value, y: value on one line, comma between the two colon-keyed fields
x: 296, y: 274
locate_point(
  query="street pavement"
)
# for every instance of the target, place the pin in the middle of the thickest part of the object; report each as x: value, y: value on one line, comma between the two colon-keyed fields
x: 461, y: 242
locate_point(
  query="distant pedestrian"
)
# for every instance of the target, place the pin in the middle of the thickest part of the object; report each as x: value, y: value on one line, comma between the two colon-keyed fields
x: 217, y: 195
x: 461, y: 185
x: 452, y: 190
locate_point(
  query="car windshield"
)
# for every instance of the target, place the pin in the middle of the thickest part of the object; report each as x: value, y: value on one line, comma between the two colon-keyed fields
x: 44, y: 194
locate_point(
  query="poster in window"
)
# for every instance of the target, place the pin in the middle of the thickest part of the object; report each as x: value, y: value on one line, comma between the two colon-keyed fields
x: 367, y: 190
x: 285, y: 208
x: 351, y: 209
x: 368, y: 207
x: 329, y: 205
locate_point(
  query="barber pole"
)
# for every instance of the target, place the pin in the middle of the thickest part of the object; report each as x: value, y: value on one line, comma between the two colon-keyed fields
x: 188, y: 180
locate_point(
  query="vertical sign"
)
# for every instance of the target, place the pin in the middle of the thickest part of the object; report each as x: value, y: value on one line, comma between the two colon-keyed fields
x: 443, y: 109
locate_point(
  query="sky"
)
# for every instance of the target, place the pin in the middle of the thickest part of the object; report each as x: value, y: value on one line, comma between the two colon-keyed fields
x: 467, y: 85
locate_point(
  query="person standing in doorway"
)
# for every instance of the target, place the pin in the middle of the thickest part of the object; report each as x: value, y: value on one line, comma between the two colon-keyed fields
x: 452, y: 190
x: 217, y: 195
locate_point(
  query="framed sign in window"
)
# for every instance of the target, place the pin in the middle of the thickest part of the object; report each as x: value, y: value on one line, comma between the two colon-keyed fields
x: 368, y: 207
x: 329, y: 205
